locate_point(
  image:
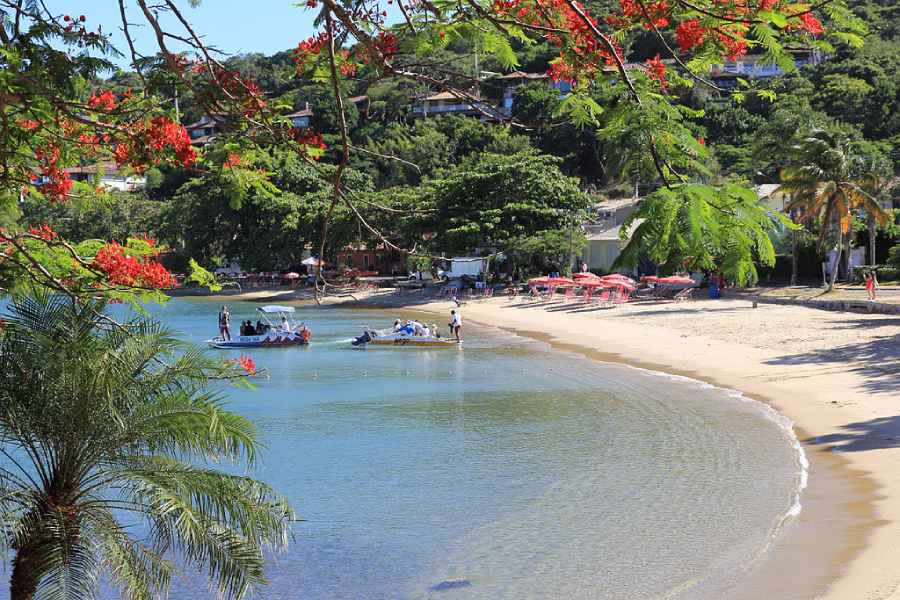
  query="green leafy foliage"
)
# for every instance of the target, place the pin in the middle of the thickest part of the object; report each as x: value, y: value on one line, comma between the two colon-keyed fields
x: 112, y: 425
x: 694, y: 227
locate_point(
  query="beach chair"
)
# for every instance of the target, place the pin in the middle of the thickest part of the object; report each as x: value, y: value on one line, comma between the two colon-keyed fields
x: 570, y: 293
x: 685, y: 295
x: 623, y: 298
x: 602, y: 299
x: 512, y: 292
x: 398, y: 291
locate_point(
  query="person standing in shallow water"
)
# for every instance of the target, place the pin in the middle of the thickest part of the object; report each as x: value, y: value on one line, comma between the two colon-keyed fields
x: 225, y: 324
x: 455, y: 324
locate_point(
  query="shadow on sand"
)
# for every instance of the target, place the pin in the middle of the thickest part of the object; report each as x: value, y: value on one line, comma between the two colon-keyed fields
x: 875, y: 434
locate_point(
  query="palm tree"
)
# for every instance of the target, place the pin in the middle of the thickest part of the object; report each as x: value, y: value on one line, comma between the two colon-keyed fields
x: 824, y: 179
x: 109, y: 438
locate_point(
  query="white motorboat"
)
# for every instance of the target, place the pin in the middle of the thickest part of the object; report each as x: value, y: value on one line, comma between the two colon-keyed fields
x: 274, y: 336
x: 404, y: 338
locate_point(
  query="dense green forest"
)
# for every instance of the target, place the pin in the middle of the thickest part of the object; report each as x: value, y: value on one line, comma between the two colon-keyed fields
x: 448, y: 163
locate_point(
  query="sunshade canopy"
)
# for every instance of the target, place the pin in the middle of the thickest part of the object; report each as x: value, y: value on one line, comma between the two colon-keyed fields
x: 274, y: 308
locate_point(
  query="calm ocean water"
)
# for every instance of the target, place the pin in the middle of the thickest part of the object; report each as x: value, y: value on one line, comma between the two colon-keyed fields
x: 505, y: 469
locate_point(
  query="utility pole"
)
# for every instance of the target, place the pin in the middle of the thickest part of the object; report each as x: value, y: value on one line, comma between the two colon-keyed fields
x: 571, y: 256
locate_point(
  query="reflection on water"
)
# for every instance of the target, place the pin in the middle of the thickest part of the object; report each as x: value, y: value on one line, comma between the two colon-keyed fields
x: 504, y: 469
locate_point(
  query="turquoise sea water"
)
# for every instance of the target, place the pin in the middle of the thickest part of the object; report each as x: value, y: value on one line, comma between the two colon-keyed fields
x: 505, y: 469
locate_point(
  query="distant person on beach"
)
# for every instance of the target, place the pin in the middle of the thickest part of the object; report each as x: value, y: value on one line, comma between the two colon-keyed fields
x: 455, y: 324
x: 225, y: 324
x: 871, y: 284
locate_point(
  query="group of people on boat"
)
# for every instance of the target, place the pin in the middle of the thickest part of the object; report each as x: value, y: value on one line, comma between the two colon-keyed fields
x: 249, y: 329
x: 416, y: 329
x: 259, y: 329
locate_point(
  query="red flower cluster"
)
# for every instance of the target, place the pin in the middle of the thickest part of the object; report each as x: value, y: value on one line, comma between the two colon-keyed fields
x: 58, y: 183
x: 105, y: 101
x: 807, y: 23
x: 240, y: 88
x: 689, y: 34
x: 657, y: 13
x: 657, y: 70
x: 247, y: 363
x: 307, y: 138
x: 311, y: 47
x: 580, y: 49
x: 128, y: 270
x: 150, y: 143
x: 234, y: 160
x: 85, y: 37
x: 43, y: 231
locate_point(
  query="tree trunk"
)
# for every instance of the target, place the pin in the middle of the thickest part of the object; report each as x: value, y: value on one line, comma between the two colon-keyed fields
x: 849, y: 260
x: 795, y: 261
x: 872, y: 260
x: 837, y: 259
x: 24, y: 580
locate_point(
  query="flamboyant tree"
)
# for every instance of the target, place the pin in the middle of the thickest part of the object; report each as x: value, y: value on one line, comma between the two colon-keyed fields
x: 49, y: 121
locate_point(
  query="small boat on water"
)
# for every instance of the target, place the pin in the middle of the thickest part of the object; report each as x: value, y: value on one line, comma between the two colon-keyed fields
x: 400, y: 339
x: 274, y: 336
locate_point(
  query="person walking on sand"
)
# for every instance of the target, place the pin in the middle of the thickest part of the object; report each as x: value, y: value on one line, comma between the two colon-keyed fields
x: 871, y: 284
x: 455, y: 325
x: 225, y: 324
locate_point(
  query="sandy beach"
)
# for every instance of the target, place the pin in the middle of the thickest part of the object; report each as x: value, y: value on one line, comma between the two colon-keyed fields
x: 835, y: 374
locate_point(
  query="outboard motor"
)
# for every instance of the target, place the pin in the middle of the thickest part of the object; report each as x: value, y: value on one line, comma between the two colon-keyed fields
x: 361, y: 340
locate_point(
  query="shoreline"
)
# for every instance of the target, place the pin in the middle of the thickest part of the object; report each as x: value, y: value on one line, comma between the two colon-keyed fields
x: 833, y: 374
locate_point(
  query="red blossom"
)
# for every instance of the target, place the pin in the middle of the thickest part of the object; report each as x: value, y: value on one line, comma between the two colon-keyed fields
x: 247, y: 363
x: 657, y: 70
x: 128, y: 270
x: 105, y: 101
x: 689, y: 34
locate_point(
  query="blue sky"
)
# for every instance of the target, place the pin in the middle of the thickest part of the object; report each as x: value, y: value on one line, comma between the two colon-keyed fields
x: 265, y: 26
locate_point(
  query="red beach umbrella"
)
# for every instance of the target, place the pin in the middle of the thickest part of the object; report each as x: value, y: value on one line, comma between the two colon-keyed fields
x: 292, y: 275
x: 675, y: 280
x: 561, y: 281
x: 539, y: 280
x: 650, y: 278
x: 616, y: 277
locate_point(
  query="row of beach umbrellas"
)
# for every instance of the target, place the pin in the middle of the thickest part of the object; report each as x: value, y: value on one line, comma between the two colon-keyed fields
x: 588, y: 280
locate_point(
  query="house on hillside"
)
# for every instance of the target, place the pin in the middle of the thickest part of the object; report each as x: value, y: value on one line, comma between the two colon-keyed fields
x: 108, y: 176
x: 447, y: 103
x: 300, y: 118
x: 378, y: 258
x: 512, y: 81
x: 751, y: 66
x: 207, y: 129
x: 604, y: 228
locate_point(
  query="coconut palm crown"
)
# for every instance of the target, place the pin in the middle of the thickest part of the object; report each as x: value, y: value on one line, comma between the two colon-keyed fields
x: 111, y: 437
x: 824, y: 177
